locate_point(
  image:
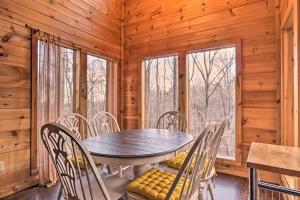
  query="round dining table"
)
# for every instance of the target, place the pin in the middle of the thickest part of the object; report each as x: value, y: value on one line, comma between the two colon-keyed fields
x: 138, y: 147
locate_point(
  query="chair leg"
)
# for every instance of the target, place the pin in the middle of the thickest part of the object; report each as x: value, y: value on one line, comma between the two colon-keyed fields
x: 200, y: 195
x: 124, y: 197
x: 211, y: 190
x: 109, y: 169
x: 59, y: 193
x: 121, y: 171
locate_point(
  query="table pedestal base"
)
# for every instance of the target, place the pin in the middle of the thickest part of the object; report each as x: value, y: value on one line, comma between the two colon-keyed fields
x: 140, y: 169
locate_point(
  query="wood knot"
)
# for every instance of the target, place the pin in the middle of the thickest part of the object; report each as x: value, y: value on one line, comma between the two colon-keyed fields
x: 244, y: 121
x: 156, y: 12
x: 3, y: 53
x: 14, y: 133
x: 232, y: 13
x: 7, y: 37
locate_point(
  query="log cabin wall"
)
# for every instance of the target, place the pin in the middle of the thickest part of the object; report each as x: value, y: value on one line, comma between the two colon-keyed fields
x: 154, y: 27
x: 93, y: 25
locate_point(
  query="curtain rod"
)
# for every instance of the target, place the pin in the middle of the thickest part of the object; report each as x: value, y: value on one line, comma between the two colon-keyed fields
x: 38, y: 32
x: 44, y: 36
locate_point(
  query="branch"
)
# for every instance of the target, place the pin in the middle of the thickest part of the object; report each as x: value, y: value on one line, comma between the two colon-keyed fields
x: 218, y: 83
x: 199, y: 68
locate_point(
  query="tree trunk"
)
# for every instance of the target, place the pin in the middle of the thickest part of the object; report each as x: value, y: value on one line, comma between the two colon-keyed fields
x: 157, y: 91
x: 174, y: 82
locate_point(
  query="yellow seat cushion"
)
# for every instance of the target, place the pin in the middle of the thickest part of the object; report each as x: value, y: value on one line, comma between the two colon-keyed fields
x: 155, y: 185
x: 177, y: 162
x: 80, y: 162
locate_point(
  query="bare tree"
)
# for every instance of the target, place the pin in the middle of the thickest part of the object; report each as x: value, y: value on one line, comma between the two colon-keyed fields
x: 66, y: 80
x: 212, y: 87
x: 157, y: 89
x: 161, y: 87
x: 96, y: 79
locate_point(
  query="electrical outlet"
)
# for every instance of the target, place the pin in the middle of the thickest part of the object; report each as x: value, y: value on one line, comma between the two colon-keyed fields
x: 1, y: 165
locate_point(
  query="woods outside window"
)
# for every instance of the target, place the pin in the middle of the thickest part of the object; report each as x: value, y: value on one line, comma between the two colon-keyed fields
x: 209, y: 80
x: 101, y: 85
x: 67, y: 80
x: 212, y: 90
x: 161, y: 87
x: 96, y: 85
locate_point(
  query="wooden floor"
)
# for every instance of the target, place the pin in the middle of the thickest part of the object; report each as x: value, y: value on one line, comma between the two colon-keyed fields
x: 227, y: 187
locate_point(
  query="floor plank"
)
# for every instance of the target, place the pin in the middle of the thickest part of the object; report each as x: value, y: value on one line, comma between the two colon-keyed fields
x: 227, y: 187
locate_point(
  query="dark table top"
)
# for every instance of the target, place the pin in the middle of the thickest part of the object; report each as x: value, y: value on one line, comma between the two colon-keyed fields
x: 137, y: 143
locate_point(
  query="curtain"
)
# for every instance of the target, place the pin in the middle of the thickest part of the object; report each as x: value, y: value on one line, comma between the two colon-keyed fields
x: 48, y: 90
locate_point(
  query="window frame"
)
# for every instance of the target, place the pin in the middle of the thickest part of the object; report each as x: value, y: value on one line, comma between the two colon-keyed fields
x: 183, y: 88
x: 289, y: 22
x: 111, y: 82
x: 238, y: 91
x: 106, y: 76
x: 75, y: 69
x: 142, y: 107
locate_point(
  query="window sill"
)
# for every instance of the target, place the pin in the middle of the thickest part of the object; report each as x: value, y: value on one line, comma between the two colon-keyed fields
x: 222, y: 161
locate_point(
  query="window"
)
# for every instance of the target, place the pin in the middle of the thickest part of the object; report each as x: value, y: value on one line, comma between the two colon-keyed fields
x: 67, y: 80
x: 96, y: 84
x: 161, y: 88
x: 56, y: 68
x: 212, y: 87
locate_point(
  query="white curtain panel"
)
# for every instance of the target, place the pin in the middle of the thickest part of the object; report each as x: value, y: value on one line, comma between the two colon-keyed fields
x: 48, y: 102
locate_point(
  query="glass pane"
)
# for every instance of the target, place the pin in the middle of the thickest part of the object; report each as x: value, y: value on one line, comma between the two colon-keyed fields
x: 66, y: 80
x: 212, y: 82
x: 96, y: 79
x: 161, y: 92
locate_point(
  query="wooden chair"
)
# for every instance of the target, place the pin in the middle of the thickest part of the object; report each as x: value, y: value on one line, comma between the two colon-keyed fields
x: 206, y: 182
x: 172, y: 120
x: 77, y: 183
x: 104, y: 122
x: 160, y: 184
x: 78, y: 124
x: 209, y: 173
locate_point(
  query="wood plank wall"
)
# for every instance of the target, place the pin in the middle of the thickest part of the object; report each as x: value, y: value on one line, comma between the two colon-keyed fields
x: 94, y: 25
x: 150, y: 26
x: 154, y: 27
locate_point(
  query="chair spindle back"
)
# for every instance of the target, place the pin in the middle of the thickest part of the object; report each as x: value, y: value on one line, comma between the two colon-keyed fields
x: 104, y: 122
x: 78, y: 182
x: 78, y: 124
x: 172, y: 120
x: 190, y: 176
